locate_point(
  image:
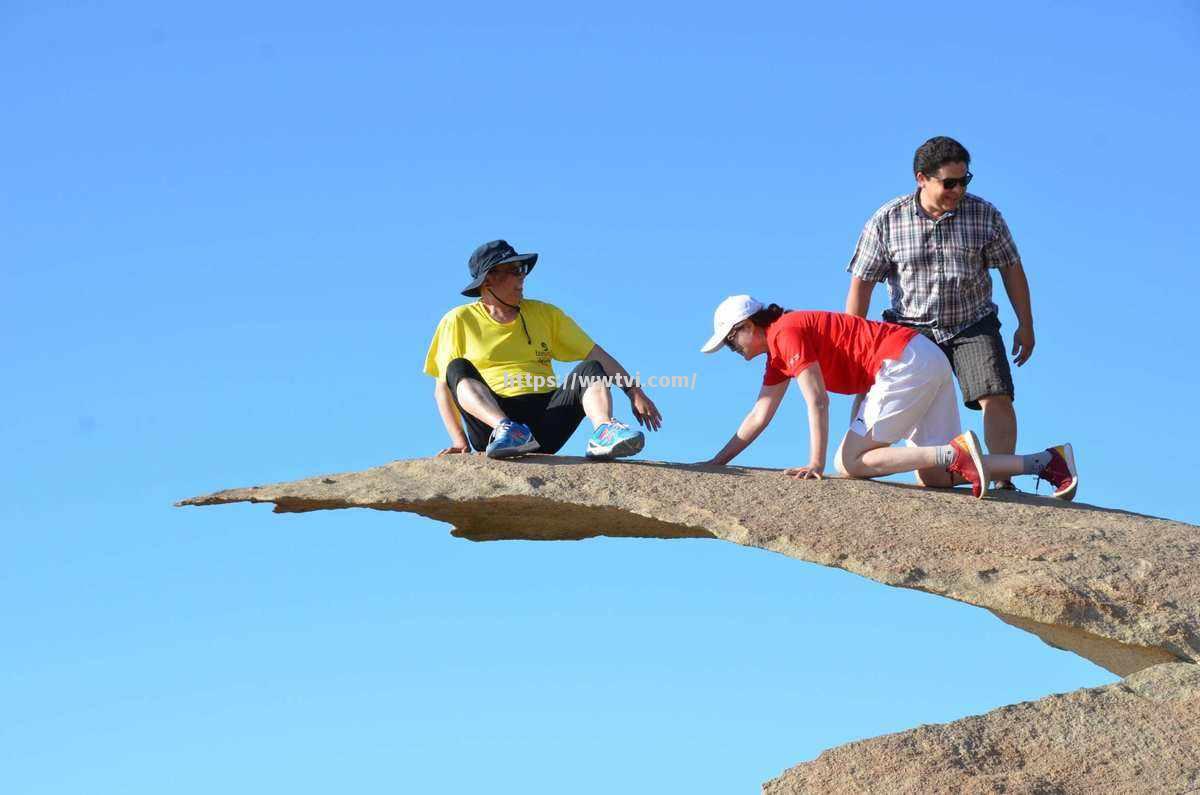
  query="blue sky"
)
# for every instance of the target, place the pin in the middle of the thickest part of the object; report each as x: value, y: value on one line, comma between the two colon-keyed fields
x: 227, y: 234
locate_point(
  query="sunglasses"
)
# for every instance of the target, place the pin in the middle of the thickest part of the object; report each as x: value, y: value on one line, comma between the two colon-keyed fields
x: 519, y: 269
x: 950, y: 183
x: 733, y: 332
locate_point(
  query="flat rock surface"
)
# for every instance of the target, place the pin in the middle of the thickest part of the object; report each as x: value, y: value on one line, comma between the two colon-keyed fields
x: 1140, y: 735
x: 1117, y: 587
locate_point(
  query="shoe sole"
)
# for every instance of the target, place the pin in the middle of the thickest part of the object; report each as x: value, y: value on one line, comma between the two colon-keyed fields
x: 509, y: 452
x: 621, y: 449
x: 1069, y: 492
x: 977, y: 459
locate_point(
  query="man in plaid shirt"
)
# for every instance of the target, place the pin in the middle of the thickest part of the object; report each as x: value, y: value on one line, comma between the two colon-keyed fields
x: 934, y: 248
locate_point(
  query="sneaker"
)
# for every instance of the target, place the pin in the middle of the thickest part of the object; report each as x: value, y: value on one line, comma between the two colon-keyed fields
x: 968, y: 462
x: 1060, y: 472
x: 615, y: 440
x: 510, y: 438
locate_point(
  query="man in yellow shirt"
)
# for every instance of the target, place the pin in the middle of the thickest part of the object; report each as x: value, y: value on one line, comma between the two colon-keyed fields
x: 491, y: 359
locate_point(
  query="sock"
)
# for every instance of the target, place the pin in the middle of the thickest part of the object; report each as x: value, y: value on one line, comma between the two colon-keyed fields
x: 1033, y: 464
x: 945, y: 454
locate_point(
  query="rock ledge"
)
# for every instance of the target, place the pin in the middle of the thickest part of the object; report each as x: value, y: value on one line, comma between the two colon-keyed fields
x: 1115, y: 587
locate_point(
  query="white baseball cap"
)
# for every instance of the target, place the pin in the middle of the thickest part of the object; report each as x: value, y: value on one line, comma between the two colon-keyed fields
x: 730, y: 312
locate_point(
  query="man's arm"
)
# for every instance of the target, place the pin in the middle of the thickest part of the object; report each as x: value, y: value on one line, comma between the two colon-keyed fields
x: 1017, y: 286
x: 644, y: 410
x: 769, y: 398
x: 450, y: 418
x: 812, y: 386
x: 858, y: 298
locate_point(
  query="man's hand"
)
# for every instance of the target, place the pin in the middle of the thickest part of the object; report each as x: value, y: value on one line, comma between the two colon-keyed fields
x: 464, y: 448
x: 810, y: 472
x: 644, y: 409
x: 1023, y: 343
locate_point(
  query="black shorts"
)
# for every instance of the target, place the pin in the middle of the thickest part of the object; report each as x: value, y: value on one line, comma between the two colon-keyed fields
x: 980, y: 361
x: 552, y: 416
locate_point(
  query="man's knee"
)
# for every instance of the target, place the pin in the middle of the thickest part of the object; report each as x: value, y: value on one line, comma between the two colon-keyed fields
x: 459, y: 370
x: 590, y: 369
x: 997, y: 405
x: 588, y: 374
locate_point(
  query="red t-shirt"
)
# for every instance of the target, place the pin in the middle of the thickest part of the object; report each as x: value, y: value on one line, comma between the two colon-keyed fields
x: 848, y: 348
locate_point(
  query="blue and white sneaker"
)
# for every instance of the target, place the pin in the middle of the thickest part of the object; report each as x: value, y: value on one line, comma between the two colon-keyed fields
x: 510, y: 438
x: 615, y: 440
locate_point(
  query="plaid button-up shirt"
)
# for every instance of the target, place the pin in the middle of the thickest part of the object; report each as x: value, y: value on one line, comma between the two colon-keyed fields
x: 936, y: 270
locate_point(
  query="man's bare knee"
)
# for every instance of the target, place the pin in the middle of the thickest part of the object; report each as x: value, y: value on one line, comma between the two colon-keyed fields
x: 995, y: 402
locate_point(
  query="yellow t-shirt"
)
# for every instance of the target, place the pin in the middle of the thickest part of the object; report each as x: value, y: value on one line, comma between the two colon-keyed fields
x: 498, y: 348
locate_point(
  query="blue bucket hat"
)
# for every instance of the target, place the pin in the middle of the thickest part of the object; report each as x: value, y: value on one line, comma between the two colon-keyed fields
x: 488, y: 256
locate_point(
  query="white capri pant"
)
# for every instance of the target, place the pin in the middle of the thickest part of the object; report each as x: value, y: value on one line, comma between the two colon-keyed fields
x: 912, y: 398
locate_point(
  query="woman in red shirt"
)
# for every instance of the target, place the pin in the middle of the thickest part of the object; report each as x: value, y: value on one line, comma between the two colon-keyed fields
x: 907, y: 390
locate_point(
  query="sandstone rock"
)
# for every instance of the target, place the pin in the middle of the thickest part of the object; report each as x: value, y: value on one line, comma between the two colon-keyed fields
x: 1117, y: 588
x: 1140, y: 735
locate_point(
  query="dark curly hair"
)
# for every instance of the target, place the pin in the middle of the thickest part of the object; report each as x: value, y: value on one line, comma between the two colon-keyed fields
x: 765, y: 317
x: 937, y: 152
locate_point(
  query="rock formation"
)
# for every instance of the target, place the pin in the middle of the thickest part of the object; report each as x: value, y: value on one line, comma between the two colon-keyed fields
x: 1139, y: 735
x: 1117, y: 588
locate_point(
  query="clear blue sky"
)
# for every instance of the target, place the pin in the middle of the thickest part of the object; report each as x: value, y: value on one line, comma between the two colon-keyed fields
x: 227, y: 233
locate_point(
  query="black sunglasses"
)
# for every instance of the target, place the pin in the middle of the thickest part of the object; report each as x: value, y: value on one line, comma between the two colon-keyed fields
x: 950, y: 183
x: 513, y: 269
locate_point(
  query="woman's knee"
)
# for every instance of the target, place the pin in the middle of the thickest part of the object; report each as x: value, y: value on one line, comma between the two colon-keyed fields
x: 934, y: 477
x: 848, y: 458
x: 850, y: 465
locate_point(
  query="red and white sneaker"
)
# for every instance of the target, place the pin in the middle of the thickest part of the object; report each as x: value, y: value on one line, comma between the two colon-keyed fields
x: 968, y: 463
x: 1060, y: 472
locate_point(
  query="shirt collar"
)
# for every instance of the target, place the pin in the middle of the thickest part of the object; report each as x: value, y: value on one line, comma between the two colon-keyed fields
x: 919, y: 211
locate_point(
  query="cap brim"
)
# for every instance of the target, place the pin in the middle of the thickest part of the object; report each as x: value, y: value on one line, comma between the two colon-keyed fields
x: 472, y: 289
x: 714, y: 342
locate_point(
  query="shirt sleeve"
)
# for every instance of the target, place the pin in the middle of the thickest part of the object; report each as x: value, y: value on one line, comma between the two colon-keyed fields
x: 568, y: 343
x: 445, y: 347
x: 1000, y: 251
x: 871, y: 262
x: 792, y: 355
x: 773, y: 375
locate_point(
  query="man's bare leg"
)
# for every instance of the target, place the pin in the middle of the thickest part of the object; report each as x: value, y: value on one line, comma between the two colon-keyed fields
x: 999, y: 428
x: 477, y: 401
x: 597, y: 404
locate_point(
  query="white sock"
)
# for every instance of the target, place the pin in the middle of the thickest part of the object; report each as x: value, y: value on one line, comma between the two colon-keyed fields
x: 945, y: 454
x: 1033, y: 464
